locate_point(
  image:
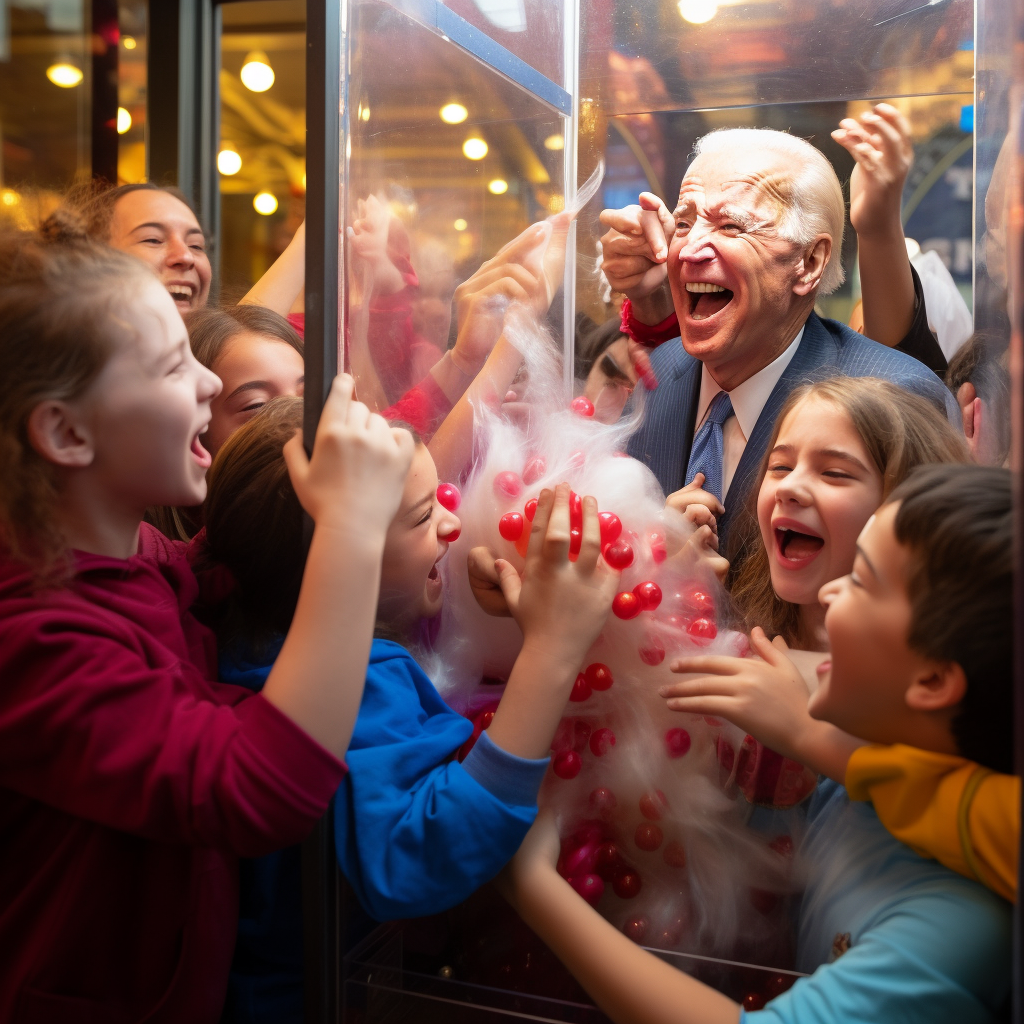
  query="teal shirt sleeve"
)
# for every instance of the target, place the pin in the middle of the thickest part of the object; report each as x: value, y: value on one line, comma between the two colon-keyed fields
x: 416, y: 832
x: 936, y: 958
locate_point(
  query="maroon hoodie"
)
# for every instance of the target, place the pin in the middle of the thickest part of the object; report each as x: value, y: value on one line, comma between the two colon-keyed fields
x: 129, y: 786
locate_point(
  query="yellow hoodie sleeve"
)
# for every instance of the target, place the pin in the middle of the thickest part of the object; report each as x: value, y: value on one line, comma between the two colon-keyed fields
x: 965, y: 816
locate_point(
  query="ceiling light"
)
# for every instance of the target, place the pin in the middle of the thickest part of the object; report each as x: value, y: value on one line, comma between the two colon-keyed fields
x: 257, y: 75
x: 265, y: 203
x: 128, y: 42
x: 11, y: 198
x: 461, y: 224
x: 698, y: 12
x: 497, y: 187
x: 228, y: 161
x: 474, y: 148
x: 124, y: 121
x: 454, y: 113
x: 65, y: 74
x: 554, y: 142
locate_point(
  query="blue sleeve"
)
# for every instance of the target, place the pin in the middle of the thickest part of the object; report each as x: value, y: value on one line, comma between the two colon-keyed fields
x: 417, y: 832
x: 939, y: 959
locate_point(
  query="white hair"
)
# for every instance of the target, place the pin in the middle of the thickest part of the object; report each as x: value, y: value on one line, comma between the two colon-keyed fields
x: 812, y: 196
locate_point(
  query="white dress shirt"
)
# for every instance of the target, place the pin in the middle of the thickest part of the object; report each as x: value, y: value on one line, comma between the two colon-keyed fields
x: 748, y: 399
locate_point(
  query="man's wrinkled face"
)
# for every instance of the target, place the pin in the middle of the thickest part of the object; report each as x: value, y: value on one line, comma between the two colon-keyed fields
x: 732, y: 276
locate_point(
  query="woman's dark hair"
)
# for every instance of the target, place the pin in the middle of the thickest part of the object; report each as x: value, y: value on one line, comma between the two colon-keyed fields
x: 957, y: 522
x: 899, y: 430
x: 981, y: 363
x: 62, y: 297
x: 210, y: 329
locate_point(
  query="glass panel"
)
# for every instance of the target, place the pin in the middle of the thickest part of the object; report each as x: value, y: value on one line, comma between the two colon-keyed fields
x: 445, y: 195
x: 44, y: 97
x: 262, y: 158
x: 131, y: 92
x: 531, y: 29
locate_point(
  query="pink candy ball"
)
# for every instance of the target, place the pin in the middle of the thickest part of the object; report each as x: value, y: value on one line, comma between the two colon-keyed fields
x: 582, y: 406
x: 677, y: 742
x: 508, y: 484
x: 510, y: 526
x: 449, y: 496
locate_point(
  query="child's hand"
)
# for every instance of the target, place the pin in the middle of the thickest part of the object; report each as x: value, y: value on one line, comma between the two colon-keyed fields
x: 356, y: 475
x: 560, y: 605
x: 485, y: 582
x: 698, y: 558
x: 879, y: 141
x: 369, y: 238
x: 767, y: 699
x: 694, y: 494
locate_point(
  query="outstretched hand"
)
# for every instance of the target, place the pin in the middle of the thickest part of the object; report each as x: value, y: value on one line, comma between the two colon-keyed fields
x: 879, y: 140
x: 635, y: 246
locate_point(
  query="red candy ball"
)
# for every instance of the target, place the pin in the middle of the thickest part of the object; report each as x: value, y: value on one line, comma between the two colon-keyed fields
x: 658, y: 550
x: 601, y: 741
x: 782, y: 845
x: 599, y: 676
x: 510, y: 526
x: 567, y: 764
x: 608, y: 861
x: 575, y: 542
x: 530, y: 509
x: 626, y: 883
x: 611, y: 527
x: 575, y: 509
x: 754, y: 1001
x: 649, y: 594
x: 704, y: 629
x: 578, y: 459
x: 674, y: 855
x: 580, y: 689
x: 578, y: 861
x: 648, y: 837
x: 701, y: 602
x: 636, y: 928
x: 590, y: 887
x: 508, y: 484
x: 449, y: 496
x: 653, y: 651
x: 602, y: 801
x: 677, y: 741
x: 534, y: 470
x: 453, y: 536
x: 626, y: 605
x: 582, y: 406
x: 618, y: 554
x: 653, y: 804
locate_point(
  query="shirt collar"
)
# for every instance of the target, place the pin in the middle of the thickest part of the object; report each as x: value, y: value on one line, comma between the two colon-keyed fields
x: 748, y: 398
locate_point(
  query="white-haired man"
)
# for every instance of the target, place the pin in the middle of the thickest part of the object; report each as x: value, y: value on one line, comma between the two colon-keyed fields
x: 735, y: 272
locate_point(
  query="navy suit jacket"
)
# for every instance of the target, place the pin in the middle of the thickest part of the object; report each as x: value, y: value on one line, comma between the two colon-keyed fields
x: 828, y: 348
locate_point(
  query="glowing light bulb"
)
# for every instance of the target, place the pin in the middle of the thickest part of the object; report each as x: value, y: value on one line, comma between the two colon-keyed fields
x: 698, y: 12
x: 128, y: 42
x: 124, y: 121
x: 9, y: 197
x: 454, y: 113
x: 257, y: 75
x: 461, y: 224
x: 265, y: 203
x: 64, y: 74
x: 228, y: 161
x: 554, y: 142
x: 474, y: 148
x: 497, y: 187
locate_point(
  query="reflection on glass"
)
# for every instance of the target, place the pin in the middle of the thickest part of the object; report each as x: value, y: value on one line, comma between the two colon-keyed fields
x: 131, y: 92
x: 430, y: 191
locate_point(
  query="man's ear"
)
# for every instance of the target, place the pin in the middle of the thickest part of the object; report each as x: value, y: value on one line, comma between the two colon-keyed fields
x: 56, y: 434
x: 812, y: 265
x: 939, y: 685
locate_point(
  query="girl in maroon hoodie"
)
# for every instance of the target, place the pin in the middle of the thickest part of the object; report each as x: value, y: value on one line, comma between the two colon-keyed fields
x: 130, y: 781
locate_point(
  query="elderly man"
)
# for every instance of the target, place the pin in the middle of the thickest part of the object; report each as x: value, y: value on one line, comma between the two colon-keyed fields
x: 735, y: 271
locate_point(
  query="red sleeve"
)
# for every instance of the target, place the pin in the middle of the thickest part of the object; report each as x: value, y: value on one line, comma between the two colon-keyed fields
x: 93, y: 724
x: 645, y: 334
x: 422, y: 407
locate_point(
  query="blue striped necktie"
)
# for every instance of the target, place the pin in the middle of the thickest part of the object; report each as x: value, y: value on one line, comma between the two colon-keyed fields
x: 708, y: 446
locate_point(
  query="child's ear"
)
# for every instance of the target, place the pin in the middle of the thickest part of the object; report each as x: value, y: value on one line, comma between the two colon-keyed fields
x: 941, y: 684
x: 55, y: 433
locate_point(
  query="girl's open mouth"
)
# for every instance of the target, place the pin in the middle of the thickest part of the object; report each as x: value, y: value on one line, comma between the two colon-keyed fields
x: 796, y: 549
x: 200, y: 454
x: 706, y: 299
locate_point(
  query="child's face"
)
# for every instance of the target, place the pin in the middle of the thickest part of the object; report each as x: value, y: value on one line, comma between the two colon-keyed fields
x: 254, y: 369
x: 863, y: 684
x: 145, y: 411
x: 820, y: 488
x: 410, y: 586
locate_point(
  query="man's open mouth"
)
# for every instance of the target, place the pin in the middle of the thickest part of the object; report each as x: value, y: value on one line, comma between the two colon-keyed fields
x: 797, y: 548
x: 706, y: 299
